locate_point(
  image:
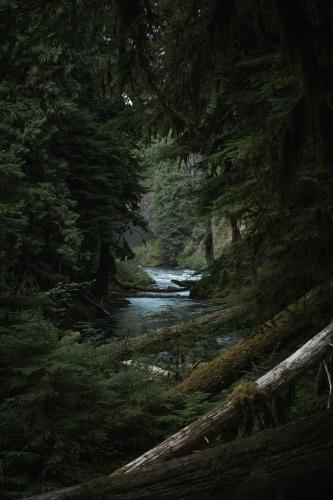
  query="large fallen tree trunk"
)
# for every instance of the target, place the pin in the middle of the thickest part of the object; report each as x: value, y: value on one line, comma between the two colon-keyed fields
x: 162, y: 336
x: 200, y: 433
x: 226, y: 368
x: 291, y: 462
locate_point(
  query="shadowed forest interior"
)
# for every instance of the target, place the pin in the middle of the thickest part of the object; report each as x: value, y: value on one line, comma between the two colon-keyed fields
x: 166, y: 249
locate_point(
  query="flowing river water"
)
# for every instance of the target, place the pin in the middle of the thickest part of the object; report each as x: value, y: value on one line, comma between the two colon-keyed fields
x: 154, y: 309
x: 148, y: 311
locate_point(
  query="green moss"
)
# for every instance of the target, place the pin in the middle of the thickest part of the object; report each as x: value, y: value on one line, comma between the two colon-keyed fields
x: 240, y: 453
x: 191, y: 261
x: 133, y: 276
x: 226, y: 368
x: 148, y: 255
x: 243, y: 394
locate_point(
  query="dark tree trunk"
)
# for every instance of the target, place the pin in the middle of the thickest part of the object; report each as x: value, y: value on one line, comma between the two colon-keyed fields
x: 208, y: 241
x: 106, y: 268
x: 293, y: 462
x: 235, y: 231
x: 209, y: 246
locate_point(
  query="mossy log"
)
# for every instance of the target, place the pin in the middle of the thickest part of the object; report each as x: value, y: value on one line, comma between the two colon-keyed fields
x: 290, y: 462
x: 168, y: 334
x: 200, y: 433
x: 226, y: 368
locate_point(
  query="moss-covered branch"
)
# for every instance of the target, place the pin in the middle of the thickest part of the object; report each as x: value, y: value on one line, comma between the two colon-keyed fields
x: 201, y: 432
x: 163, y: 336
x: 226, y: 368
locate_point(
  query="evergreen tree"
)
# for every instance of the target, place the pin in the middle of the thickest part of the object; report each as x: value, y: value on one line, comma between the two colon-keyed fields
x: 69, y: 176
x: 258, y: 126
x: 175, y: 185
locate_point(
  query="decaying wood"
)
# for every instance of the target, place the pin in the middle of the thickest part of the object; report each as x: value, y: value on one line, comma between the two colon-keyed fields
x: 329, y: 384
x: 201, y: 432
x: 168, y: 334
x: 272, y: 463
x: 164, y: 335
x: 226, y: 368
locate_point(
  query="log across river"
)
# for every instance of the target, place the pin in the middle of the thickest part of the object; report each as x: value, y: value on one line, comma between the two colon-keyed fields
x: 162, y: 307
x: 150, y: 311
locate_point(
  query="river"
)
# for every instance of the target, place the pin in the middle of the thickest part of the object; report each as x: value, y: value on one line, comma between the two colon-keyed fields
x: 148, y: 311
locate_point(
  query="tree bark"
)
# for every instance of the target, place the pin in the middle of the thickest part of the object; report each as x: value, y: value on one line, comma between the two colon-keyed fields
x: 264, y: 463
x: 208, y: 241
x: 162, y: 336
x: 226, y: 368
x: 199, y: 434
x: 235, y: 231
x: 106, y: 267
x: 170, y: 333
x: 292, y: 462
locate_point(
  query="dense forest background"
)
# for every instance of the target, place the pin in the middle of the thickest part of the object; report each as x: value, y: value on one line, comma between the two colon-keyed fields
x: 170, y: 205
x: 218, y: 117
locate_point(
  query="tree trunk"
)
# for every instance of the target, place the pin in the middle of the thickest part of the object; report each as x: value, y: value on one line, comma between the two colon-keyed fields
x: 200, y: 433
x: 106, y: 267
x: 226, y: 368
x: 208, y: 241
x: 245, y: 469
x: 293, y: 462
x: 235, y: 231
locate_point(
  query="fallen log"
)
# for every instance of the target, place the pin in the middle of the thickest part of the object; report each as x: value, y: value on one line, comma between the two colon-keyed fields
x: 183, y: 283
x: 200, y: 433
x: 290, y: 462
x: 164, y: 335
x: 154, y: 290
x: 229, y: 366
x: 168, y: 334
